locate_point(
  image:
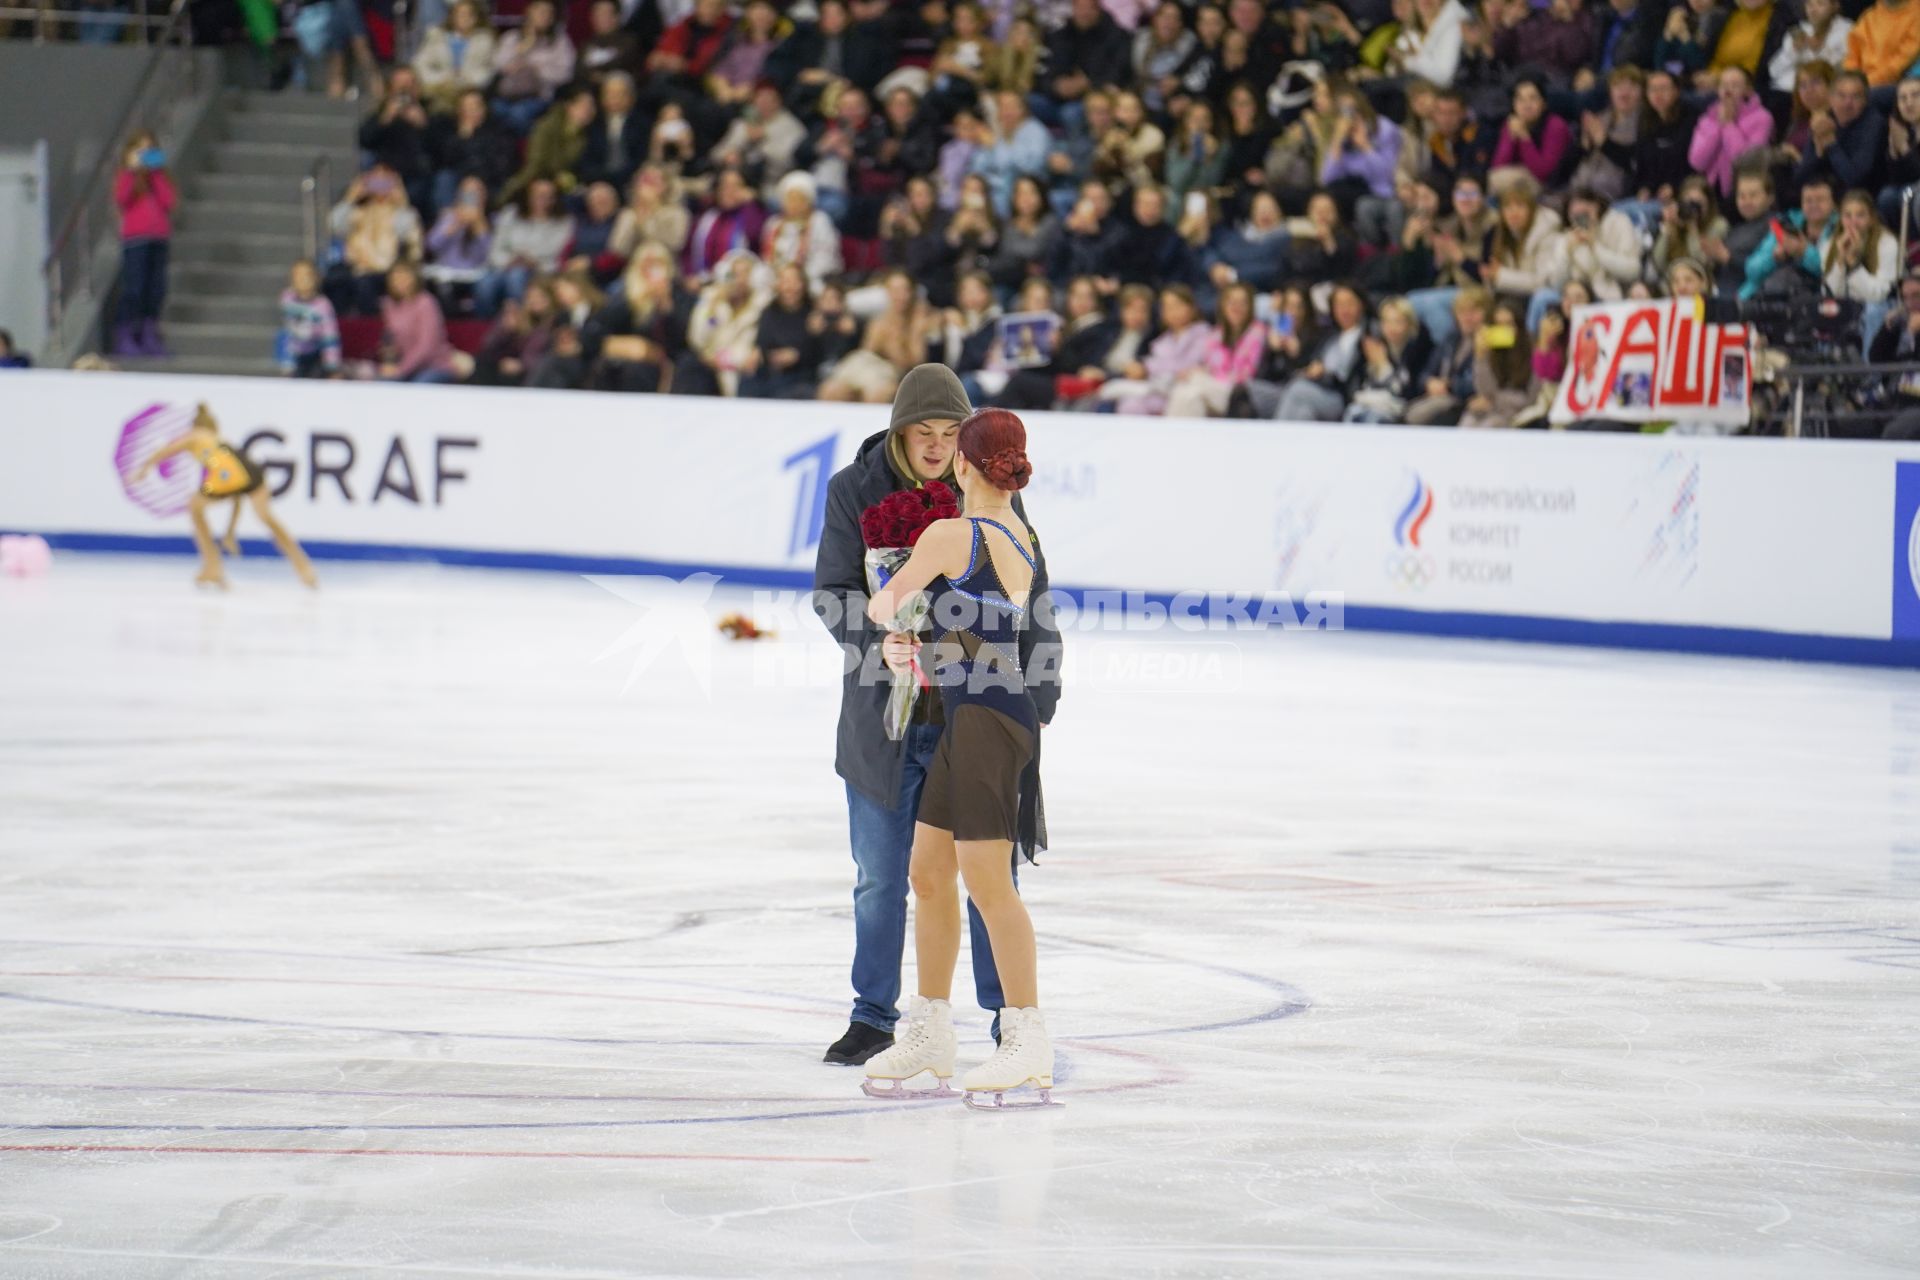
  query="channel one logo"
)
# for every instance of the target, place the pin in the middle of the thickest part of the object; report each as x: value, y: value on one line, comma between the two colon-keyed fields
x: 1906, y: 551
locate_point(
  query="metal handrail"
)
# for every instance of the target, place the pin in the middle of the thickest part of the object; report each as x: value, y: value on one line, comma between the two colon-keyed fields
x: 316, y: 202
x: 1906, y: 225
x: 1864, y: 371
x: 406, y: 40
x: 79, y: 222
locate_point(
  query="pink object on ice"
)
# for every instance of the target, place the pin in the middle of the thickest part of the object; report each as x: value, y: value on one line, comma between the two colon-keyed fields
x: 24, y: 555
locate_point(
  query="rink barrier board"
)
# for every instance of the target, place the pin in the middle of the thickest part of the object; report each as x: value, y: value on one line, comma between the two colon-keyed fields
x: 1730, y: 642
x: 1763, y: 547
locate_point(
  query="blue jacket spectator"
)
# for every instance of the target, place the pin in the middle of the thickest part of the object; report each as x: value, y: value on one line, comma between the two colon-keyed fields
x: 1019, y: 149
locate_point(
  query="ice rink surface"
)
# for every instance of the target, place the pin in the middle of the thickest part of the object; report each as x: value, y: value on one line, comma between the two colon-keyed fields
x: 402, y: 929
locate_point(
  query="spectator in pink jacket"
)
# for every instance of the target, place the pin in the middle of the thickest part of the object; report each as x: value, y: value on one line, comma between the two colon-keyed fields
x: 145, y: 196
x: 1180, y: 350
x: 1735, y: 125
x: 415, y: 347
x: 1234, y: 350
x: 1531, y: 139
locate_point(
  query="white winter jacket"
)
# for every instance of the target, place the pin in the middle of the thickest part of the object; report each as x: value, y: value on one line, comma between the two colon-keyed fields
x: 1607, y: 264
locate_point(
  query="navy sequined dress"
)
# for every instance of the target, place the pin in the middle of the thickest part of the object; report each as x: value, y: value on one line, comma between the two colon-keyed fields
x: 984, y: 782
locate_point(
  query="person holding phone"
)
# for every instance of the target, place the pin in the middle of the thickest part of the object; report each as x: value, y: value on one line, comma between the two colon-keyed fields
x: 1359, y: 166
x: 1502, y: 371
x: 144, y: 193
x: 1196, y: 159
x: 1687, y: 224
x: 376, y: 228
x: 1788, y: 261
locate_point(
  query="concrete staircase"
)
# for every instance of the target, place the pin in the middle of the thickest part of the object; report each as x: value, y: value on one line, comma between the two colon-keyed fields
x: 239, y: 227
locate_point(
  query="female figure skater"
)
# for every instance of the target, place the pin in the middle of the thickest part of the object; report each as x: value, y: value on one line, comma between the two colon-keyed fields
x: 228, y: 474
x: 982, y: 791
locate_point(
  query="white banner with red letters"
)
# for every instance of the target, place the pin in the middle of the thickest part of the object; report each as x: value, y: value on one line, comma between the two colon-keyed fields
x: 1656, y: 361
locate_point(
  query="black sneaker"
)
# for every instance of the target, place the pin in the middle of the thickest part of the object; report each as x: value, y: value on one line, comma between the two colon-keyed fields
x: 860, y: 1043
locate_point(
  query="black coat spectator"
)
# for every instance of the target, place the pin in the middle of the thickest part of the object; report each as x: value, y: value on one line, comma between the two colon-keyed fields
x: 611, y: 49
x: 914, y: 228
x: 1629, y: 31
x: 1660, y: 162
x: 834, y: 48
x: 470, y: 143
x: 1329, y: 254
x: 631, y: 344
x: 1089, y: 238
x: 619, y: 136
x: 396, y: 136
x: 1270, y: 45
x: 788, y: 350
x: 1152, y: 255
x: 1089, y: 52
x: 1849, y: 141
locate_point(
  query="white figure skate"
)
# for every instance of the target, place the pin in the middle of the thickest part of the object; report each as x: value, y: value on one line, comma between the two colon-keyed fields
x: 1025, y: 1057
x: 923, y: 1042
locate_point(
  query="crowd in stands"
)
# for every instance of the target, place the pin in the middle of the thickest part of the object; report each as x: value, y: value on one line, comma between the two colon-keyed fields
x: 1380, y: 210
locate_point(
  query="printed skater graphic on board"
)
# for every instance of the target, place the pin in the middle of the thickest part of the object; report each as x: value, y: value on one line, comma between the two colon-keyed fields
x: 981, y: 800
x: 884, y: 778
x: 228, y: 473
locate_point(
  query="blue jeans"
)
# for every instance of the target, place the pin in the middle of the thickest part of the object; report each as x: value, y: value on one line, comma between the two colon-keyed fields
x: 496, y: 287
x: 349, y: 24
x: 1872, y: 316
x: 1645, y: 213
x: 833, y: 202
x: 521, y: 113
x: 445, y: 188
x: 1435, y: 309
x: 143, y: 279
x: 882, y: 848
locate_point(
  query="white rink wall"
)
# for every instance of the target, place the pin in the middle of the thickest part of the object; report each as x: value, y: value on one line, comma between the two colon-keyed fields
x: 1774, y: 548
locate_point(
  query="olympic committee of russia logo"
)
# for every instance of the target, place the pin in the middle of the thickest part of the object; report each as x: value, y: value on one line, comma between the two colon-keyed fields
x: 1409, y: 567
x: 1906, y: 551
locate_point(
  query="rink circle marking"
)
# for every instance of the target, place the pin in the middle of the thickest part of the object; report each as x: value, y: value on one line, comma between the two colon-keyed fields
x: 1294, y: 1002
x: 735, y: 1158
x: 47, y: 1222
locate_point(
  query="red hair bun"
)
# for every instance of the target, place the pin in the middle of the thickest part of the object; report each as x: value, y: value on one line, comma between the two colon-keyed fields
x: 995, y: 441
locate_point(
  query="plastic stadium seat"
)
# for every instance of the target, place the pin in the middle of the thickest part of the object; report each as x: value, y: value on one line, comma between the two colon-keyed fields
x: 468, y: 334
x: 360, y: 337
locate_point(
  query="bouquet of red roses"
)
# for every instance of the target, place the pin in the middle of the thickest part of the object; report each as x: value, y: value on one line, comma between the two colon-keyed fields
x: 890, y: 528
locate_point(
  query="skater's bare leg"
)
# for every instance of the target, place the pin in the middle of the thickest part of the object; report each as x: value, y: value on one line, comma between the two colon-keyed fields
x: 291, y: 549
x: 369, y: 68
x: 231, y: 544
x: 210, y: 571
x: 987, y: 867
x: 934, y: 875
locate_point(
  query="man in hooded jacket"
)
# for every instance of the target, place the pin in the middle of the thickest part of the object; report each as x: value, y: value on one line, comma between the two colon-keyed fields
x: 883, y: 777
